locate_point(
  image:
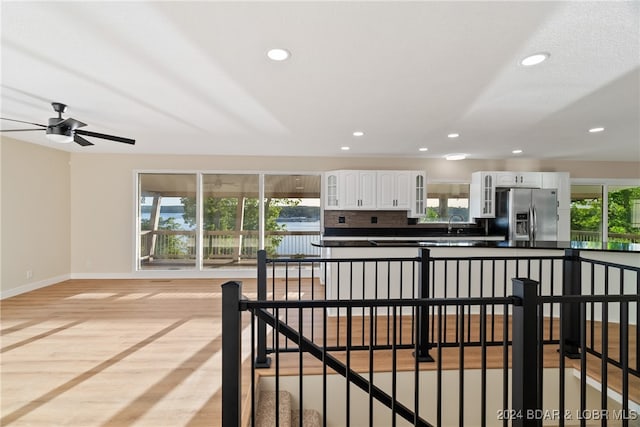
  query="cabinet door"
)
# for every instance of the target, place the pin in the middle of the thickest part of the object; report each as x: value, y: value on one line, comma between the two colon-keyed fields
x: 519, y: 179
x: 349, y: 197
x: 418, y: 194
x: 403, y: 187
x: 488, y: 205
x: 482, y: 193
x: 394, y: 190
x: 331, y: 181
x: 506, y: 179
x: 367, y: 189
x: 530, y: 179
x: 386, y: 190
x: 559, y: 181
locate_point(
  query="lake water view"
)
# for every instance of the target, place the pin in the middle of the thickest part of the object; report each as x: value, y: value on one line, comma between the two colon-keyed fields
x: 290, y: 225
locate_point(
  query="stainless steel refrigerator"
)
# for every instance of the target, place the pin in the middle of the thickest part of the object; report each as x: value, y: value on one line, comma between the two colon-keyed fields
x: 526, y: 214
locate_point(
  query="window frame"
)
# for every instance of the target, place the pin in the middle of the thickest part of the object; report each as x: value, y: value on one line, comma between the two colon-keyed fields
x: 446, y: 181
x: 199, y: 268
x: 605, y: 183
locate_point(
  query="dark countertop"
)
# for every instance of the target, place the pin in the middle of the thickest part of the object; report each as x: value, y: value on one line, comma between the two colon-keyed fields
x: 372, y: 243
x: 420, y: 230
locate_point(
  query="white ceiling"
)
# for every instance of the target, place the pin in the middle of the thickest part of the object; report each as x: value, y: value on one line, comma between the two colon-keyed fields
x: 193, y: 77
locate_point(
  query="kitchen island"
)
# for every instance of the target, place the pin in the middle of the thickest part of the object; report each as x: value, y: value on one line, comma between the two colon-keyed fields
x: 390, y: 268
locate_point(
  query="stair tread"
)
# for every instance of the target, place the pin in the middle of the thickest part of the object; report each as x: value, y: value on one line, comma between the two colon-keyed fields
x: 310, y: 418
x: 265, y: 411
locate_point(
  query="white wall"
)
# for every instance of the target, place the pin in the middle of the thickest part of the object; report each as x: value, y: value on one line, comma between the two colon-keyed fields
x: 35, y: 217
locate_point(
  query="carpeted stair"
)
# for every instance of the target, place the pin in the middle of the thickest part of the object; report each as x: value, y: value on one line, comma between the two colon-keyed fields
x: 266, y: 414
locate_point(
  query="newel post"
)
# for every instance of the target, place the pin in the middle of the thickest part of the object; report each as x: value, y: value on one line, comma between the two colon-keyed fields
x: 423, y: 311
x: 571, y: 285
x: 262, y: 361
x: 231, y: 354
x: 524, y: 389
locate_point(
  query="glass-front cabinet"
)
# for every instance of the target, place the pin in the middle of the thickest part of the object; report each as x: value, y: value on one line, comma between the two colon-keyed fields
x: 419, y: 194
x: 482, y: 192
x: 331, y: 200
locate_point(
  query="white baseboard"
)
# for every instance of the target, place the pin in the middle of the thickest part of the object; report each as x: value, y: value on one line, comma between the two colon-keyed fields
x: 171, y: 274
x: 33, y: 286
x: 219, y: 273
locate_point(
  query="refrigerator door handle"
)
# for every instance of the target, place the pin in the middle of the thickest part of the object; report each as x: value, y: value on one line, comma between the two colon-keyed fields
x: 534, y: 223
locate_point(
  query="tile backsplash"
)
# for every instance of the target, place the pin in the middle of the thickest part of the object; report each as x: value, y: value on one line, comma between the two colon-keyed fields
x: 365, y: 219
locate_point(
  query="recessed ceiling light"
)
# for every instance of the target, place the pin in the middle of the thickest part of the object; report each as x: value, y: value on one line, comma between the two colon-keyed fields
x: 345, y: 148
x: 456, y: 156
x: 453, y: 135
x: 358, y: 133
x: 278, y: 54
x: 423, y: 149
x: 594, y: 130
x: 517, y: 151
x: 534, y: 59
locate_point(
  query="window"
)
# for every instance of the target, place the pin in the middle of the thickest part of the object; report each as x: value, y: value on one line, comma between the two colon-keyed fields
x: 612, y: 209
x: 229, y: 218
x: 446, y: 200
x: 623, y: 224
x: 292, y: 215
x: 167, y: 238
x: 179, y: 229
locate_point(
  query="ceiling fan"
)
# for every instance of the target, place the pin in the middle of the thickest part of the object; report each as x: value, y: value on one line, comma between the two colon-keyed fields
x: 66, y: 130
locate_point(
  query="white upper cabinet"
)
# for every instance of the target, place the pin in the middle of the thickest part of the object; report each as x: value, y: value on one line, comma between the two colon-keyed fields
x: 358, y: 189
x: 394, y: 190
x: 331, y: 190
x: 482, y: 194
x: 519, y: 179
x: 375, y: 190
x: 418, y: 185
x: 560, y: 181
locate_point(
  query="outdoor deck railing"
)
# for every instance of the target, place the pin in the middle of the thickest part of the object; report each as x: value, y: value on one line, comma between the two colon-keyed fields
x: 231, y: 245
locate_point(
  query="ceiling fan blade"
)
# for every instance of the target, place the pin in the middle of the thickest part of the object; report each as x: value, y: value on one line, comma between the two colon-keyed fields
x: 22, y: 121
x: 104, y: 136
x: 71, y: 123
x: 18, y: 130
x: 81, y: 141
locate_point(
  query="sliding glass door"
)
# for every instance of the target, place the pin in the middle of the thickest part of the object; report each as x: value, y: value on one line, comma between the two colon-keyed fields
x: 213, y: 220
x: 229, y: 219
x: 292, y: 215
x: 167, y: 235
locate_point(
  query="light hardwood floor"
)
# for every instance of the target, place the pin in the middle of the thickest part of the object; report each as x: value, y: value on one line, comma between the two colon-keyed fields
x: 131, y: 352
x: 113, y: 353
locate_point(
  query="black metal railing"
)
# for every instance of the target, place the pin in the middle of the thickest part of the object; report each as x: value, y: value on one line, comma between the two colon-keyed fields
x: 525, y: 406
x: 429, y: 306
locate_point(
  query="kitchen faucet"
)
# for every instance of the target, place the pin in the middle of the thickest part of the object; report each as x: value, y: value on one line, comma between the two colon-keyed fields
x: 449, y: 227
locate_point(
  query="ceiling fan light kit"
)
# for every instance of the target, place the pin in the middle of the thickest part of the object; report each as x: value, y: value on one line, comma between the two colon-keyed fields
x: 66, y: 130
x: 59, y: 135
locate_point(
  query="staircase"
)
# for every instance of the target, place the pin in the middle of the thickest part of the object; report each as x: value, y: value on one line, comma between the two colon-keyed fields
x: 288, y: 417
